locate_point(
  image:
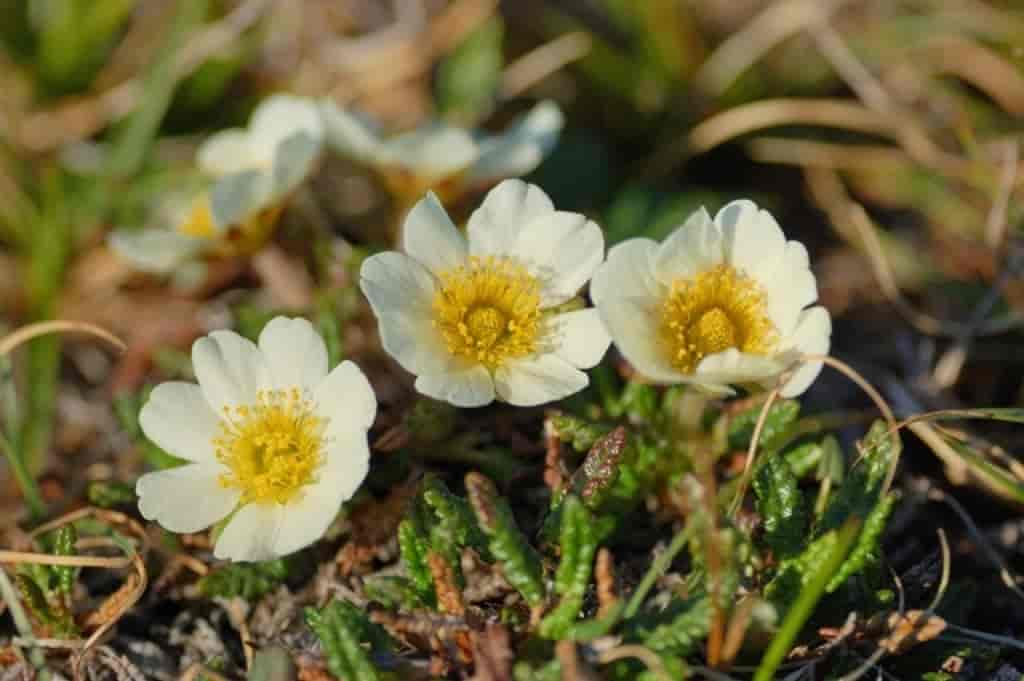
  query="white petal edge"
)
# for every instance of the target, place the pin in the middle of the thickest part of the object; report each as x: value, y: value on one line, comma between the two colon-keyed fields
x: 251, y: 534
x: 465, y: 386
x: 346, y: 398
x: 157, y: 251
x: 431, y: 237
x: 563, y: 250
x: 227, y: 151
x: 349, y: 134
x: 230, y: 369
x: 185, y: 499
x: 754, y: 242
x: 790, y: 288
x: 539, y: 380
x: 522, y: 146
x: 693, y: 247
x: 306, y: 520
x: 494, y: 227
x: 295, y: 354
x: 812, y: 336
x: 580, y: 337
x: 279, y: 117
x: 627, y: 272
x: 179, y: 420
x: 632, y: 326
x: 733, y: 366
x: 401, y: 293
x: 433, y: 152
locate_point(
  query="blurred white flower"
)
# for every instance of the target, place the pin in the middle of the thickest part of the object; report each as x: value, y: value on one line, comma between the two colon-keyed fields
x: 480, y: 318
x: 252, y: 173
x: 720, y: 302
x: 443, y: 158
x: 275, y: 443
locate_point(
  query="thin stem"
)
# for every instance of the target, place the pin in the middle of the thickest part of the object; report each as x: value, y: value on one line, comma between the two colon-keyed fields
x: 806, y: 602
x: 27, y: 483
x: 658, y: 567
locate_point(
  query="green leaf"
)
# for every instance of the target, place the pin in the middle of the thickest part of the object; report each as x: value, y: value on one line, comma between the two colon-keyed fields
x: 781, y: 415
x: 342, y: 628
x: 507, y: 544
x: 469, y: 78
x: 248, y: 580
x: 781, y: 506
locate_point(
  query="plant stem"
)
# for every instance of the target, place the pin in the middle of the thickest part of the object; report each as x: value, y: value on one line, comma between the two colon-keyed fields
x: 658, y: 567
x: 29, y: 489
x: 806, y: 601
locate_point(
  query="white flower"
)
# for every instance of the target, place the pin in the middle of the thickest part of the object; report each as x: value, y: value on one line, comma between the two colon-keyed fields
x: 252, y: 172
x: 274, y: 442
x: 719, y: 302
x: 478, y: 318
x: 438, y: 156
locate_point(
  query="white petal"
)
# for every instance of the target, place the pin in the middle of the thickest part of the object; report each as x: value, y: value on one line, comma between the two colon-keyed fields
x: 346, y: 398
x: 529, y: 382
x: 580, y: 337
x: 494, y: 227
x: 237, y: 196
x: 632, y: 323
x: 294, y: 159
x: 278, y: 118
x: 733, y: 366
x: 251, y: 534
x: 227, y: 151
x: 433, y: 152
x: 401, y: 292
x: 306, y: 520
x: 754, y: 242
x: 348, y: 133
x: 178, y: 419
x: 693, y: 247
x: 626, y: 273
x: 230, y: 369
x: 563, y: 250
x: 295, y: 354
x: 521, y: 147
x: 155, y: 250
x: 466, y: 386
x: 812, y: 336
x: 431, y: 237
x: 790, y: 288
x: 188, y: 498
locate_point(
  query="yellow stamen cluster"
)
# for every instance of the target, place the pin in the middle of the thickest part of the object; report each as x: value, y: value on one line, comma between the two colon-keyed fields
x: 718, y: 309
x: 199, y: 222
x: 272, y: 448
x: 488, y: 310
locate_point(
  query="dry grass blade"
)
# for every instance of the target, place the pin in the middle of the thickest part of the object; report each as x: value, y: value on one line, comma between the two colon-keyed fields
x: 27, y: 333
x: 645, y: 655
x: 776, y: 23
x: 535, y: 66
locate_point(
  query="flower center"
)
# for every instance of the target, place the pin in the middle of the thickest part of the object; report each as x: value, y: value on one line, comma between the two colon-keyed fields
x: 718, y: 309
x: 488, y: 310
x: 199, y: 222
x: 273, y: 448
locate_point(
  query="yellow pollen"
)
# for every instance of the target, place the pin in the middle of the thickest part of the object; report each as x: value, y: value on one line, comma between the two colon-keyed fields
x: 272, y: 448
x: 718, y: 309
x: 199, y: 222
x: 488, y: 310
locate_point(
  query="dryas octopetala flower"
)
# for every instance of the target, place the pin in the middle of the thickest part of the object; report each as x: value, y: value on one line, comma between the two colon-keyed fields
x: 720, y: 302
x: 251, y: 173
x: 274, y: 442
x: 480, y: 317
x: 439, y: 157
